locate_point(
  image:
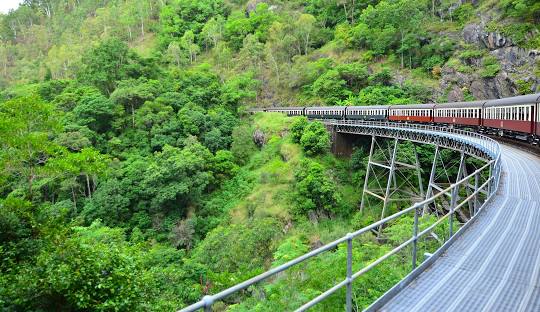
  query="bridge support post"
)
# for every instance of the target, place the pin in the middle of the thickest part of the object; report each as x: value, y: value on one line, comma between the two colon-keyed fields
x: 391, y: 177
x: 386, y: 164
x: 366, y: 180
x: 429, y: 191
x: 455, y: 194
x: 418, y: 172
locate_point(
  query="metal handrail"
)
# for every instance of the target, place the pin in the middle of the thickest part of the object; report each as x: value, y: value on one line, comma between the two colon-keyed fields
x: 490, y: 185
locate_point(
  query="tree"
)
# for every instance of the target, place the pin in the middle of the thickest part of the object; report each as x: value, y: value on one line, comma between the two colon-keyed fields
x: 304, y: 28
x: 251, y: 54
x: 314, y: 189
x: 242, y: 146
x: 88, y: 163
x: 94, y: 111
x: 91, y: 268
x: 297, y: 128
x: 185, y: 15
x: 223, y: 166
x: 240, y: 89
x: 175, y: 53
x: 25, y: 126
x: 331, y: 87
x: 212, y: 32
x: 107, y: 63
x: 238, y: 248
x: 237, y: 28
x: 187, y: 44
x: 315, y: 139
x: 131, y: 94
x: 392, y: 24
x: 178, y: 176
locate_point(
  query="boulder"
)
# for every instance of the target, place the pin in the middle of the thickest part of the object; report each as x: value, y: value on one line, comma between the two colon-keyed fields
x: 259, y: 138
x: 476, y: 34
x: 472, y: 34
x: 493, y: 40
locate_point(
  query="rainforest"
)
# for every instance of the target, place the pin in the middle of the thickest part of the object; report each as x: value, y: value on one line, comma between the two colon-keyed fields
x: 134, y: 177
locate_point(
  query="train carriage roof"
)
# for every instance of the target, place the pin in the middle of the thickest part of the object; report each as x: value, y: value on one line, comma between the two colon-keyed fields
x: 473, y: 104
x: 324, y: 108
x: 413, y: 106
x: 516, y: 100
x: 368, y: 107
x: 285, y: 108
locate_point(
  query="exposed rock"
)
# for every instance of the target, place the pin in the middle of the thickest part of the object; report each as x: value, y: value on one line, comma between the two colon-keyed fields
x: 252, y: 5
x: 456, y: 95
x: 472, y: 33
x: 492, y: 88
x: 476, y: 34
x: 493, y: 40
x: 512, y: 57
x: 259, y: 138
x: 517, y: 65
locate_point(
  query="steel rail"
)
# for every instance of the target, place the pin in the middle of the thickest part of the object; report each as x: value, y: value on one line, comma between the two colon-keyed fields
x: 492, y: 165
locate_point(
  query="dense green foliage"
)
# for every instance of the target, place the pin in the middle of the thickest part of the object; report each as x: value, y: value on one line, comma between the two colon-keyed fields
x: 132, y: 178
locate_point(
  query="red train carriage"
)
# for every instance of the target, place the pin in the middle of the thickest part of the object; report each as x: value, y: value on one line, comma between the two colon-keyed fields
x: 411, y: 113
x: 512, y: 116
x: 459, y: 113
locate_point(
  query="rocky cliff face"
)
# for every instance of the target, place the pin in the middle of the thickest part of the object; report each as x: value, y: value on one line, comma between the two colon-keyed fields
x: 518, y: 68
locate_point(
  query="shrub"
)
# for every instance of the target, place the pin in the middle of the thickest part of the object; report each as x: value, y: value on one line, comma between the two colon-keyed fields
x: 470, y: 54
x: 314, y: 189
x: 524, y: 87
x: 315, y: 139
x: 297, y: 129
x: 430, y: 63
x: 491, y: 67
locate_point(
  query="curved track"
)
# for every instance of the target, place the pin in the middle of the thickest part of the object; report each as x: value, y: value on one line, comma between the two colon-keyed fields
x: 495, y: 264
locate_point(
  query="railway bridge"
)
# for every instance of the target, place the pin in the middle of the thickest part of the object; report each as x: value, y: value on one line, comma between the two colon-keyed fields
x: 488, y: 261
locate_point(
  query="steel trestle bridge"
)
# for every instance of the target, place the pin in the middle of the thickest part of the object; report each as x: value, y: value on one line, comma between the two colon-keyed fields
x: 490, y: 263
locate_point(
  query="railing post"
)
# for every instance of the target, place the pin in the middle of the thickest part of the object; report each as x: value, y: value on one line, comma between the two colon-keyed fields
x: 489, y: 177
x: 415, y: 236
x: 349, y: 273
x: 476, y: 190
x: 452, y: 206
x: 208, y: 302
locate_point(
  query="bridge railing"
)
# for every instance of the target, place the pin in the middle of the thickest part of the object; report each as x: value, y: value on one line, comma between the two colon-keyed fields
x: 483, y: 191
x: 485, y: 142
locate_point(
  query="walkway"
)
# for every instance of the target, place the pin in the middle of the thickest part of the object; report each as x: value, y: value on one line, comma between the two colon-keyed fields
x: 495, y: 264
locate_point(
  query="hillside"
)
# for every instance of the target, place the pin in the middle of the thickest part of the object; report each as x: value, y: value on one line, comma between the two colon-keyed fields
x: 132, y: 178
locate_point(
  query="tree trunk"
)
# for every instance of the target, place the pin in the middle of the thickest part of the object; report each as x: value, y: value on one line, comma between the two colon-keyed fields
x: 402, y: 62
x: 88, y: 185
x: 74, y: 199
x: 352, y: 13
x: 133, y: 114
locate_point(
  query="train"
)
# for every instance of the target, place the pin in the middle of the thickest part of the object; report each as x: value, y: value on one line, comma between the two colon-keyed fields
x: 515, y: 117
